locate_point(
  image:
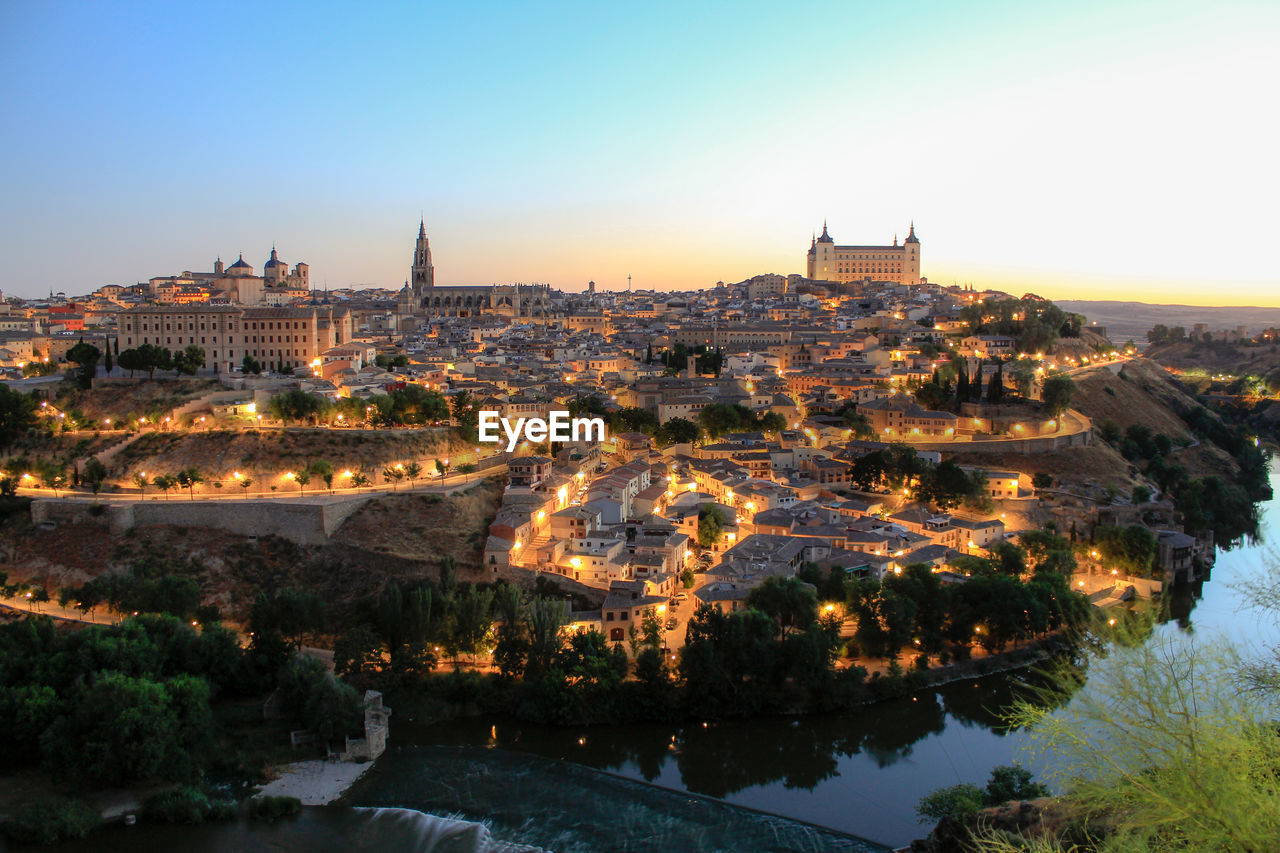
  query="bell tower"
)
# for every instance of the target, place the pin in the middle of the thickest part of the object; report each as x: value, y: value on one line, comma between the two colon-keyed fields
x: 422, y: 275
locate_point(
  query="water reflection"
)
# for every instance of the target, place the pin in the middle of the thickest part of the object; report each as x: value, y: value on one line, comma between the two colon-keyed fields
x: 717, y: 759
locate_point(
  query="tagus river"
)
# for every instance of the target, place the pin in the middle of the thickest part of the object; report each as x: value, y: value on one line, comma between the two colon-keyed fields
x: 769, y: 784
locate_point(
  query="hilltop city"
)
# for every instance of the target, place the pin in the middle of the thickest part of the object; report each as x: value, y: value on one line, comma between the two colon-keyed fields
x: 815, y: 491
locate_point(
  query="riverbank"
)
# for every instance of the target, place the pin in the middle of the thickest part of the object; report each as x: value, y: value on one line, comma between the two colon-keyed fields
x: 462, y: 694
x: 315, y: 783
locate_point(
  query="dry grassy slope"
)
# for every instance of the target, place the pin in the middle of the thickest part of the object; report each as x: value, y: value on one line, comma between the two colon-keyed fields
x: 217, y: 454
x: 1087, y: 344
x: 426, y: 527
x: 120, y: 401
x: 1076, y: 468
x: 60, y: 447
x: 1143, y: 393
x: 400, y: 537
x: 1218, y: 357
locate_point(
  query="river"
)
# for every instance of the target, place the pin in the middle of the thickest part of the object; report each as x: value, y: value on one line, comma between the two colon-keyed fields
x: 768, y: 784
x: 860, y: 773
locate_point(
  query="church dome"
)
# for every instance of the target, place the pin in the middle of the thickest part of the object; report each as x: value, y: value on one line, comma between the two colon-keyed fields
x: 240, y: 265
x: 275, y: 261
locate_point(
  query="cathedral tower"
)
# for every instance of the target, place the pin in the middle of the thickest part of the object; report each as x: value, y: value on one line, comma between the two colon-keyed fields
x: 422, y: 276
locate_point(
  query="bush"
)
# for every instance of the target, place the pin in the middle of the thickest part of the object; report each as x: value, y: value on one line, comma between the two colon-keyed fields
x: 187, y: 805
x: 274, y: 808
x: 52, y: 820
x: 959, y: 802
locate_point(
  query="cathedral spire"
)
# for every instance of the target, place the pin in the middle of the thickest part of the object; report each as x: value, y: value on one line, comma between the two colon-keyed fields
x: 422, y: 229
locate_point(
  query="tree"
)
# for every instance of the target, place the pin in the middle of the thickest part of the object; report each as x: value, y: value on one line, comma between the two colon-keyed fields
x: 17, y: 415
x: 245, y: 483
x: 1057, y: 393
x: 678, y: 431
x: 86, y: 356
x: 357, y: 651
x: 412, y: 471
x: 789, y: 602
x: 323, y: 470
x: 393, y: 475
x: 120, y: 729
x: 995, y: 388
x: 107, y: 362
x: 250, y: 364
x: 958, y: 802
x: 1041, y: 480
x: 190, y: 360
x: 189, y: 478
x: 302, y: 478
x: 710, y: 525
x: 164, y: 482
x: 94, y: 473
x: 1011, y: 782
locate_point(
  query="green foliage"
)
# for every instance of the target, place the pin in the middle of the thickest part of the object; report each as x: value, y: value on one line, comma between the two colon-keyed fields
x: 720, y: 418
x: 1011, y: 782
x: 946, y: 485
x: 958, y: 802
x: 789, y: 602
x: 87, y: 357
x: 17, y: 415
x: 94, y: 474
x: 187, y: 805
x: 51, y: 820
x: 678, y: 431
x: 1042, y: 480
x: 388, y: 362
x: 1056, y: 393
x: 272, y: 809
x: 1132, y: 548
x: 961, y: 802
x: 711, y: 522
x: 324, y: 705
x: 296, y: 405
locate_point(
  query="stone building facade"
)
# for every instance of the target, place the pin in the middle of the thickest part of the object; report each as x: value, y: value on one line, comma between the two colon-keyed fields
x: 897, y: 263
x: 286, y: 337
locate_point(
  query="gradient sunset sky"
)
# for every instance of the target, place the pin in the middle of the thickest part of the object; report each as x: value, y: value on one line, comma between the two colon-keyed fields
x: 1086, y: 149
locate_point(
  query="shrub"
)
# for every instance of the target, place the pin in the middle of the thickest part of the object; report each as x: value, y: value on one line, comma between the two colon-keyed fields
x: 187, y: 805
x: 959, y: 802
x: 274, y: 808
x: 51, y: 820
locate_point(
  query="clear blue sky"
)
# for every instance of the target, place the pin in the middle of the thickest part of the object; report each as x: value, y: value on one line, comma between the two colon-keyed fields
x: 1093, y: 149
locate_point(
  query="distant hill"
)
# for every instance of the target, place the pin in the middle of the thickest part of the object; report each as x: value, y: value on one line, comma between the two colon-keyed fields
x: 1125, y: 320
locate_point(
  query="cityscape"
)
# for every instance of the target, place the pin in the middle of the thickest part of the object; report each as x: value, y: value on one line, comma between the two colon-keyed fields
x: 826, y: 522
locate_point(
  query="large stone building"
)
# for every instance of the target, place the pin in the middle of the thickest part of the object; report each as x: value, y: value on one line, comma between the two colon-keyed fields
x: 236, y: 283
x: 421, y: 298
x: 828, y: 262
x: 282, y: 337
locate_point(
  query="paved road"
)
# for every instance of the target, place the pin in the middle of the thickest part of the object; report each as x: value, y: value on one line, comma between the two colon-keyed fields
x: 450, y: 484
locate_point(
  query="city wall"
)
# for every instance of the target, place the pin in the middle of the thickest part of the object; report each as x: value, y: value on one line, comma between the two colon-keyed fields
x: 1038, y: 444
x: 306, y: 523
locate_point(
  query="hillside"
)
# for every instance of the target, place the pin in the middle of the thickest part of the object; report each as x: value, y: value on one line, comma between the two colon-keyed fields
x: 269, y: 453
x: 1144, y: 393
x: 1218, y: 357
x: 1124, y: 320
x: 123, y: 401
x: 398, y: 537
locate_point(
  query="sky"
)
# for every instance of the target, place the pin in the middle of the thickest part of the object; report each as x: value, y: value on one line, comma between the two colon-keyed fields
x: 1087, y: 150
